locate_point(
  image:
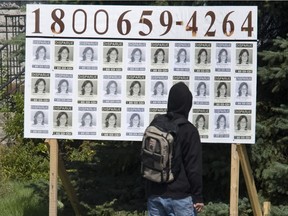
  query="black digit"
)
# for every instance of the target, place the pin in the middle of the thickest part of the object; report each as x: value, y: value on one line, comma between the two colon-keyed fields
x: 147, y: 22
x: 163, y: 22
x: 37, y: 21
x: 212, y: 15
x: 95, y: 22
x: 58, y: 21
x: 85, y: 21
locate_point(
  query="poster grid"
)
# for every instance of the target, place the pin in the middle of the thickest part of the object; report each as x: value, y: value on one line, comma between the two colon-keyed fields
x: 111, y: 88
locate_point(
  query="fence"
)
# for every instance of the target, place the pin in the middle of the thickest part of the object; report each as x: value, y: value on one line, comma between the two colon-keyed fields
x: 12, y: 58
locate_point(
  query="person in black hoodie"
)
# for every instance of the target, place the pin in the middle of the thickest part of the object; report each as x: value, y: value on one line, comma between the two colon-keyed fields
x: 183, y: 196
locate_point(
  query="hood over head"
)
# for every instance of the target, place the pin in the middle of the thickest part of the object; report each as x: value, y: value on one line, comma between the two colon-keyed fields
x: 180, y: 99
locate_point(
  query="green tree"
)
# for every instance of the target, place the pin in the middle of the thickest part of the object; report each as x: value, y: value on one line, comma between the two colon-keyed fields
x: 270, y: 155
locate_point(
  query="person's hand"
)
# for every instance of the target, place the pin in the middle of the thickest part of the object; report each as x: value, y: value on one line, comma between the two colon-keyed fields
x: 199, y: 206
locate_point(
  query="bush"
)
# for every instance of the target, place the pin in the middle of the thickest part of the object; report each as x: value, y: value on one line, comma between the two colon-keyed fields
x: 24, y: 162
x: 223, y: 209
x: 215, y: 209
x: 279, y: 210
x: 14, y: 120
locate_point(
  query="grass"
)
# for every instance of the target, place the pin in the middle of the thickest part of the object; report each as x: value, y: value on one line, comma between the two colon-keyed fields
x: 24, y: 199
x: 20, y: 199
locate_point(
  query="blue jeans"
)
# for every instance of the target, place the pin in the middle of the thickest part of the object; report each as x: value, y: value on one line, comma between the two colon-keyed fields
x: 159, y: 206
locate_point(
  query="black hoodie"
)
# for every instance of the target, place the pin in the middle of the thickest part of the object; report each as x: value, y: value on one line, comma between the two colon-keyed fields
x: 189, y: 180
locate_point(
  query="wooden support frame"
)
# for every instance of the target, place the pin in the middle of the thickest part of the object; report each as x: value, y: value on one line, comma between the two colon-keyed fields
x: 53, y: 186
x: 266, y: 208
x: 249, y: 180
x: 239, y: 153
x: 234, y: 181
x: 57, y: 167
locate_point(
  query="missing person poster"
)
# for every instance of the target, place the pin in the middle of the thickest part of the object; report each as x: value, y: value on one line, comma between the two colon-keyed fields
x: 103, y: 72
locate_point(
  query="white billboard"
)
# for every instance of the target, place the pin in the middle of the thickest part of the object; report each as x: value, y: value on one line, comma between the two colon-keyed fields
x: 103, y: 72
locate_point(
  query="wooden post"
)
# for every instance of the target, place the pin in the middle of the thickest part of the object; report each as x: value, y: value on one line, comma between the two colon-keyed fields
x: 53, y: 176
x: 65, y: 181
x: 234, y: 181
x: 249, y: 180
x: 266, y: 208
x: 69, y: 188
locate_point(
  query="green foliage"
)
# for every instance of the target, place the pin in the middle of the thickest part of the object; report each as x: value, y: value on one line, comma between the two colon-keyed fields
x: 25, y: 159
x: 270, y: 155
x: 275, y: 180
x: 19, y: 42
x: 215, y: 209
x: 24, y: 162
x: 274, y: 73
x: 14, y: 121
x: 84, y: 152
x: 279, y: 210
x: 116, y: 157
x: 216, y: 169
x: 107, y: 209
x: 160, y: 3
x: 244, y: 207
x: 101, y: 171
x: 17, y: 199
x: 222, y: 209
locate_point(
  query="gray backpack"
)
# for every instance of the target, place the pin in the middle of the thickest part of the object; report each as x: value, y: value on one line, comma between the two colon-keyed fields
x: 160, y: 153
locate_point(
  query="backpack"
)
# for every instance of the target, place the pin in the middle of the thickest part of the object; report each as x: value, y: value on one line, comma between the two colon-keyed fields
x: 160, y: 153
